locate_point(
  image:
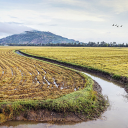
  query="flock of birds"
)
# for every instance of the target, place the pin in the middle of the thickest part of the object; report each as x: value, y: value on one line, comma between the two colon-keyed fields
x: 117, y: 25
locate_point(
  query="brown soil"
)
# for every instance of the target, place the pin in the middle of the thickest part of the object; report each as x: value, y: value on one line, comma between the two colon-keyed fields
x: 97, y: 87
x: 48, y: 116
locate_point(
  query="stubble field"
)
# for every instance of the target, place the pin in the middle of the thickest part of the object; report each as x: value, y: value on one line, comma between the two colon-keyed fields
x: 25, y: 78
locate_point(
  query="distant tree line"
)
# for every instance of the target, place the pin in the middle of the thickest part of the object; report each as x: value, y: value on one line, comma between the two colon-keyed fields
x: 89, y: 44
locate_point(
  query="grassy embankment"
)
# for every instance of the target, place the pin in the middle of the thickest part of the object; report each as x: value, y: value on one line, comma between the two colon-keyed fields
x: 24, y: 88
x: 112, y: 62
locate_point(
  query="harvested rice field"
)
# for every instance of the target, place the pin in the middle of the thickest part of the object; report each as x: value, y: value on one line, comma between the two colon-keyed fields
x: 25, y: 78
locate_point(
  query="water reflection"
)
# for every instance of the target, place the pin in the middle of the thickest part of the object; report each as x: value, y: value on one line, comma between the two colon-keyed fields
x: 19, y: 53
x: 125, y: 97
x: 25, y: 124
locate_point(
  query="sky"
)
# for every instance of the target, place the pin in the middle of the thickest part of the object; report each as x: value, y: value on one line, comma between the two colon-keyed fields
x: 82, y: 20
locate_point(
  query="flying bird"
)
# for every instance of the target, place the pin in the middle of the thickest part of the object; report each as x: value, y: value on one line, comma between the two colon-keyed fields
x: 117, y: 25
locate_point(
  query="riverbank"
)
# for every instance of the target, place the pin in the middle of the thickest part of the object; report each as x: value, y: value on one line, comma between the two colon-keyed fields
x: 109, y: 76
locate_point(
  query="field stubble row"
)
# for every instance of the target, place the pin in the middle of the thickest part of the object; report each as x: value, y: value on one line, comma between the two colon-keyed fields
x: 25, y: 78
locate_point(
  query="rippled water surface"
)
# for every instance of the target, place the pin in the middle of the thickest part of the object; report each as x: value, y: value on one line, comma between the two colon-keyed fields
x: 116, y: 115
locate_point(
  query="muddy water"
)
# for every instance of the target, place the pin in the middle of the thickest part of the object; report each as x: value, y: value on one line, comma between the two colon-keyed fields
x: 116, y: 115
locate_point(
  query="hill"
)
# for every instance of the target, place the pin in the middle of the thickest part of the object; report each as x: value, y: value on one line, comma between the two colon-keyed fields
x: 36, y: 38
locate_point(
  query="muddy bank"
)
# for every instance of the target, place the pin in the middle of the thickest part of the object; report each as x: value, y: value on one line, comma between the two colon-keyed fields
x: 49, y: 116
x: 112, y: 77
x: 97, y: 87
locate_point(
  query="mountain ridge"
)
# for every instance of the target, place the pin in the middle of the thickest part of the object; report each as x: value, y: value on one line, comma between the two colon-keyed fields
x: 35, y: 37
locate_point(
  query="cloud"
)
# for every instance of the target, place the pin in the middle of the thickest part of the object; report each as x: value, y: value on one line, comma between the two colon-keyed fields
x: 118, y: 6
x: 12, y: 28
x: 74, y: 15
x: 35, y: 17
x: 23, y: 16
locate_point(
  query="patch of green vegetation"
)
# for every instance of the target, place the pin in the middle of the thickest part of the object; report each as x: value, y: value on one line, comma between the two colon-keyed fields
x: 116, y: 77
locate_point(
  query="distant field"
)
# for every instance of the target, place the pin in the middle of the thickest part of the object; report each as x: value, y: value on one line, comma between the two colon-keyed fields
x: 112, y: 60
